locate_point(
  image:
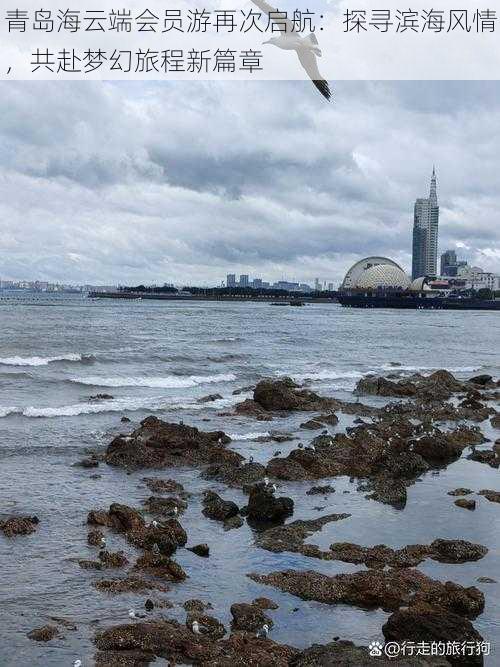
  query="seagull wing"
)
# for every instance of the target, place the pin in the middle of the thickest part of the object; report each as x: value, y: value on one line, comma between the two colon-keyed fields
x: 310, y: 64
x: 281, y: 16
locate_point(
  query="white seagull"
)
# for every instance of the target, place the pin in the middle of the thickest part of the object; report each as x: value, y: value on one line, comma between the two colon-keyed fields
x: 77, y: 663
x: 306, y: 48
x: 135, y: 614
x: 263, y: 632
x: 196, y: 628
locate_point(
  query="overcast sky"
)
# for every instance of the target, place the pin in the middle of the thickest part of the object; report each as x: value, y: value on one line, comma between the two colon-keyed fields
x: 184, y: 182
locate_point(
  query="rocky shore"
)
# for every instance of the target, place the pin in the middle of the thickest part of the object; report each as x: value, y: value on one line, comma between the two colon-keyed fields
x: 429, y: 423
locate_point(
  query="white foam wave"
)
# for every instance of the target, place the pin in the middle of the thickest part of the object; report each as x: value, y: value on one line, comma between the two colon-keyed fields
x: 5, y: 411
x: 38, y: 361
x: 125, y: 404
x: 248, y: 436
x: 327, y: 375
x: 118, y: 405
x: 167, y: 382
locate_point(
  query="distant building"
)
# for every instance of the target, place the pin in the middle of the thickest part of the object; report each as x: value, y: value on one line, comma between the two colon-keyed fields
x: 425, y: 233
x: 449, y: 263
x: 375, y: 273
x: 476, y: 278
x: 317, y: 285
x: 231, y: 280
x: 257, y: 283
x: 330, y: 287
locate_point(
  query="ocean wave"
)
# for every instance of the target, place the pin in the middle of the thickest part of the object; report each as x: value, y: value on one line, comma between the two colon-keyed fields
x: 42, y: 361
x: 167, y: 382
x: 327, y: 375
x: 248, y: 436
x: 125, y: 404
x: 5, y: 411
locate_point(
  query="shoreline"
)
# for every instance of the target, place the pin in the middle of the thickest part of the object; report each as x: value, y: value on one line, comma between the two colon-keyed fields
x: 385, y: 452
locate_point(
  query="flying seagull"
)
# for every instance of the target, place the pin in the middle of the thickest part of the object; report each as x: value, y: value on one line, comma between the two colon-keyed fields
x: 307, y: 48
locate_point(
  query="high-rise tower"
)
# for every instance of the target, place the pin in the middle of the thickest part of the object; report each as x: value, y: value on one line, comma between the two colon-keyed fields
x: 425, y: 233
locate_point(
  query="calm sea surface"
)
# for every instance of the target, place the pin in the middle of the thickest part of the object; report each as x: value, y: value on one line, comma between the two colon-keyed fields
x: 160, y: 358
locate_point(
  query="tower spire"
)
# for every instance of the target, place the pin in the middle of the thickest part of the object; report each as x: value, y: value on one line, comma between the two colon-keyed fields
x: 433, y: 193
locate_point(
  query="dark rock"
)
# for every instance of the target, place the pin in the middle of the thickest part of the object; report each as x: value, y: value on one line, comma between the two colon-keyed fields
x: 99, y: 518
x: 43, y: 634
x: 279, y: 436
x: 481, y: 380
x: 440, y: 385
x: 242, y: 390
x: 330, y: 418
x: 160, y: 566
x: 312, y: 425
x: 201, y: 550
x: 380, y: 556
x: 347, y: 654
x: 372, y: 589
x: 264, y: 506
x: 460, y: 492
x: 87, y: 463
x: 209, y: 626
x: 429, y: 625
x: 95, y: 538
x: 242, y: 476
x: 495, y: 421
x: 320, y: 490
x: 196, y: 605
x: 179, y: 645
x: 249, y: 408
x: 265, y: 603
x: 209, y: 399
x: 292, y: 536
x: 124, y: 518
x: 465, y: 503
x: 157, y: 485
x: 90, y: 564
x: 456, y: 551
x: 101, y: 397
x: 486, y: 580
x: 125, y: 420
x: 488, y: 456
x: 165, y: 506
x: 284, y: 395
x: 167, y: 535
x: 113, y: 559
x: 19, y: 525
x: 214, y: 507
x: 233, y: 522
x: 127, y: 585
x: 389, y: 491
x: 158, y: 444
x: 492, y: 496
x: 249, y: 617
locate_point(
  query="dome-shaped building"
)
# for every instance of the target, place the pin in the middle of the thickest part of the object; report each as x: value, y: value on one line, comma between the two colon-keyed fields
x: 375, y: 273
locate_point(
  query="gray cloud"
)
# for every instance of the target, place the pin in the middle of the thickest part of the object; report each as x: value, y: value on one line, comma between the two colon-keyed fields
x: 129, y: 182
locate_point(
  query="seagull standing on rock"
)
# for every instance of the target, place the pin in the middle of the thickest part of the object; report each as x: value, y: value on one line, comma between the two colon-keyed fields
x: 263, y: 632
x: 306, y: 48
x: 196, y: 628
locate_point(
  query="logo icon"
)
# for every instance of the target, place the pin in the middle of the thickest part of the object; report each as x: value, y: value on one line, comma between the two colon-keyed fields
x: 375, y: 649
